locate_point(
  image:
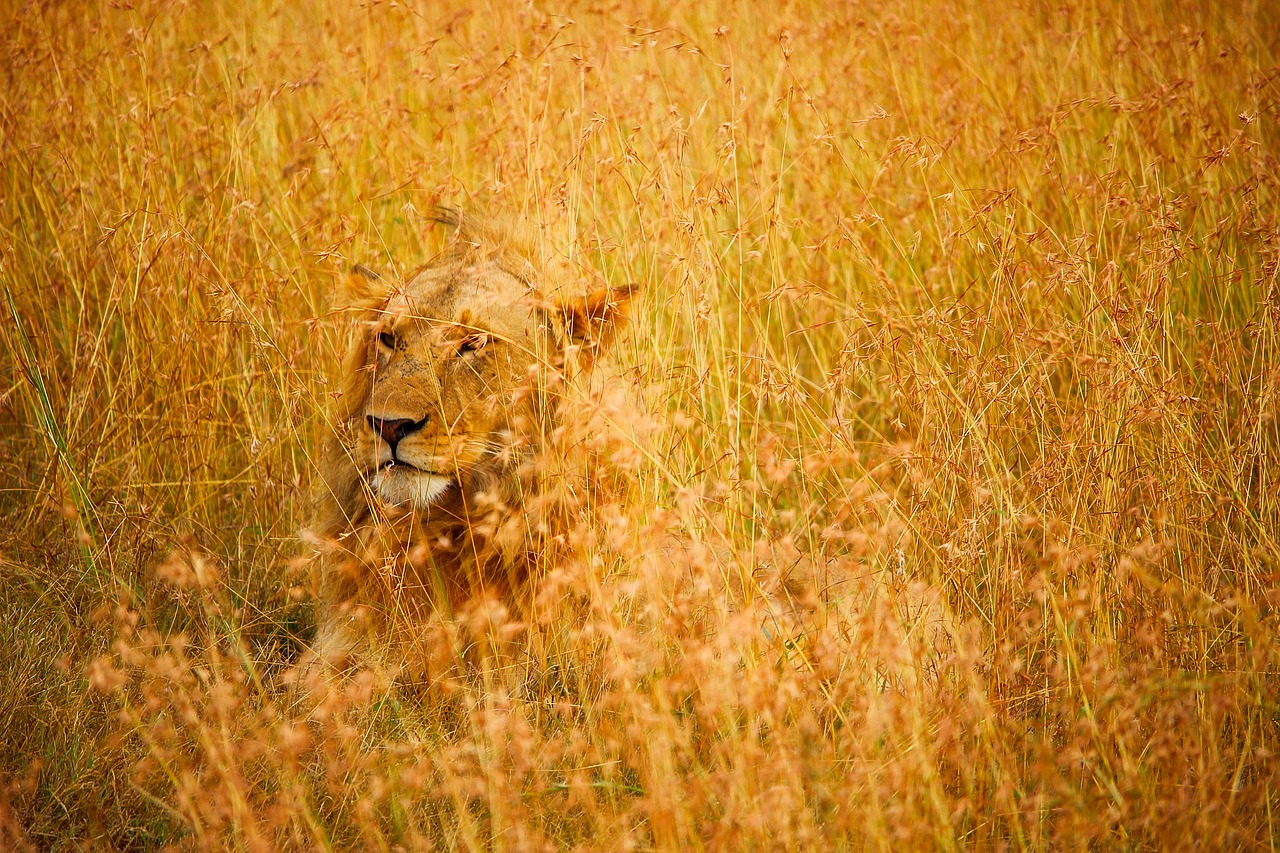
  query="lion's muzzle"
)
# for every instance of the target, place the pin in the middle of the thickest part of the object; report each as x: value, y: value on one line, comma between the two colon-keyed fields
x: 393, y: 430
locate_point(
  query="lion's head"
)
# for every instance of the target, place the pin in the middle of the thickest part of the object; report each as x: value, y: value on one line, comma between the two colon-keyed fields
x: 451, y: 373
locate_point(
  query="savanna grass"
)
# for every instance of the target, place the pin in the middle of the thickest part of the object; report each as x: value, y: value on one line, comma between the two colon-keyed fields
x: 955, y: 523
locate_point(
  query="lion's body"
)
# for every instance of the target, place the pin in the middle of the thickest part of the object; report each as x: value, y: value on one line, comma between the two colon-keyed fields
x: 444, y: 480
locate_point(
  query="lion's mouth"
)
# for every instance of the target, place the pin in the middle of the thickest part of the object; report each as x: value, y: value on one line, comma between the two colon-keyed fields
x: 403, y: 484
x: 399, y: 465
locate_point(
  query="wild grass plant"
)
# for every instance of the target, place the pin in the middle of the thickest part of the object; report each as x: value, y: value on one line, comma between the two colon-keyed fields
x: 953, y: 523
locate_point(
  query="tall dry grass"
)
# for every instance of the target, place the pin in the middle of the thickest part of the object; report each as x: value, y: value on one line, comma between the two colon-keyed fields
x: 960, y: 337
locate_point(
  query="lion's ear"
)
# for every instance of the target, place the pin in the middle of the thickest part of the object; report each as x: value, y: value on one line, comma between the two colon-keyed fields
x: 591, y: 321
x: 363, y: 289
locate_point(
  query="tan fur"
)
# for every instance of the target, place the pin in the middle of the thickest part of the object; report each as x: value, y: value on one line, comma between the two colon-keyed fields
x: 483, y: 343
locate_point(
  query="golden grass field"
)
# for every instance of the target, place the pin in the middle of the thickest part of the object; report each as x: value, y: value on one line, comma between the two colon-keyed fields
x: 973, y: 307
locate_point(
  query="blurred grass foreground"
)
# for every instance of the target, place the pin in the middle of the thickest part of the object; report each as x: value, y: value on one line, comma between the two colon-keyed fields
x: 958, y: 338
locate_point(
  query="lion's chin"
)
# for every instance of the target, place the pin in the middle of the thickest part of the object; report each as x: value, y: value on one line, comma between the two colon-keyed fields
x: 402, y: 487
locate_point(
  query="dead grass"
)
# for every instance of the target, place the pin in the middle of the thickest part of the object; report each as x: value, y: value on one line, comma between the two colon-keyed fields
x: 974, y: 313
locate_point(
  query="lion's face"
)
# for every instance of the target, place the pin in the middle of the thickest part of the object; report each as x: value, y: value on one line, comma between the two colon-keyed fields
x: 453, y: 360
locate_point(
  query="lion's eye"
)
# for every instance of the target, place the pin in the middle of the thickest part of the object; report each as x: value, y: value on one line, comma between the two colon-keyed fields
x: 472, y: 343
x: 387, y: 339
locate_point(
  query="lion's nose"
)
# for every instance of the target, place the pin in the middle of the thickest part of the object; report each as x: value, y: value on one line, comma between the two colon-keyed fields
x: 393, y: 430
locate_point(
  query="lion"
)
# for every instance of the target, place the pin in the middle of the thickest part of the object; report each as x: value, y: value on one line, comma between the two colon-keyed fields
x: 437, y: 491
